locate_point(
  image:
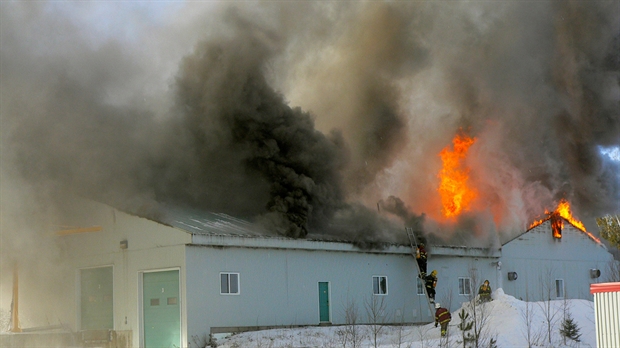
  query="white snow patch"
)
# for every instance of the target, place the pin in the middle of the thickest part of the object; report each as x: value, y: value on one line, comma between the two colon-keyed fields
x: 505, y: 322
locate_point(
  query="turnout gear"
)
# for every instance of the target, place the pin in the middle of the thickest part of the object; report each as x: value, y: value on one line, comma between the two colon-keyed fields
x: 421, y: 257
x: 430, y: 283
x: 442, y: 317
x: 484, y: 293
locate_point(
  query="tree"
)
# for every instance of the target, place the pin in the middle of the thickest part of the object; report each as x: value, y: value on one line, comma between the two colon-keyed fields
x: 570, y: 329
x: 609, y: 226
x: 375, y: 310
x: 550, y: 312
x: 465, y: 326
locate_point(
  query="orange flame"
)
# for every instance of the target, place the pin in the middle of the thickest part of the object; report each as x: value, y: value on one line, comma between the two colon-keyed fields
x: 557, y: 224
x: 455, y: 194
x: 563, y: 211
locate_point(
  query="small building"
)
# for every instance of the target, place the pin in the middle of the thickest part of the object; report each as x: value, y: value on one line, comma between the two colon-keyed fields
x: 553, y: 260
x: 607, y: 314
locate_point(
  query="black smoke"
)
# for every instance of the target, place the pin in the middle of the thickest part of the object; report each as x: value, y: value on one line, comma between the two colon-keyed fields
x: 304, y: 115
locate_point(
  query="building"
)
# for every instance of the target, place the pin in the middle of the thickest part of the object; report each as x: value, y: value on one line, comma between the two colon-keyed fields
x: 173, y: 280
x: 548, y: 263
x: 607, y: 314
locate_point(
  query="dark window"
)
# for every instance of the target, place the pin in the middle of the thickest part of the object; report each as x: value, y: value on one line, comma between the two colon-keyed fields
x: 379, y: 285
x: 464, y: 286
x: 229, y: 283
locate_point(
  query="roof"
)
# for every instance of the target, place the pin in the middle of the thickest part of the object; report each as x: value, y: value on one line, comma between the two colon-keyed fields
x: 210, y: 223
x: 604, y: 287
x: 547, y: 221
x: 222, y: 229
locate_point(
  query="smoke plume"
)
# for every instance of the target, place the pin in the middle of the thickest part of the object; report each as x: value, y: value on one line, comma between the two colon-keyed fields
x: 303, y: 115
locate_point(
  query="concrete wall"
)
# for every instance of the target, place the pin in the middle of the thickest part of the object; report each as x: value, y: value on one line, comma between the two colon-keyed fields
x: 279, y: 287
x: 539, y: 259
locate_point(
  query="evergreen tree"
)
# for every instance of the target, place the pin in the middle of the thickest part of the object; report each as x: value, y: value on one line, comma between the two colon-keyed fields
x: 465, y: 326
x: 570, y: 329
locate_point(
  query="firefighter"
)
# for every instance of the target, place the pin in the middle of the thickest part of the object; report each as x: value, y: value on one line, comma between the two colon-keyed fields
x: 431, y: 283
x: 442, y: 317
x: 484, y: 292
x: 420, y: 256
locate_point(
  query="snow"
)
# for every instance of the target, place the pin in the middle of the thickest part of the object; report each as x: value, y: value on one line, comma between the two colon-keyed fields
x: 504, y: 318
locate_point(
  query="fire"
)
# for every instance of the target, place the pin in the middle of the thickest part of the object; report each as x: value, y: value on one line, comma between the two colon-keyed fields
x: 456, y: 196
x: 557, y: 224
x: 563, y: 211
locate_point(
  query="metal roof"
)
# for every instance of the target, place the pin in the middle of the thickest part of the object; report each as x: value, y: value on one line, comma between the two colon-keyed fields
x: 210, y: 223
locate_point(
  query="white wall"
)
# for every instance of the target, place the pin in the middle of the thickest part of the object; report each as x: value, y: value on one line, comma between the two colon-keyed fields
x: 451, y: 268
x: 151, y: 246
x: 539, y: 259
x: 280, y: 286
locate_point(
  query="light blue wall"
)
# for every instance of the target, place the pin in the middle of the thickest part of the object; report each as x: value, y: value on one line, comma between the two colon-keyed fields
x: 280, y: 286
x: 451, y: 268
x: 537, y: 256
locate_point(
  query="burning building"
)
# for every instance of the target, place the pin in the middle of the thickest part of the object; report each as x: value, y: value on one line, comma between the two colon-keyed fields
x: 297, y: 117
x: 136, y: 281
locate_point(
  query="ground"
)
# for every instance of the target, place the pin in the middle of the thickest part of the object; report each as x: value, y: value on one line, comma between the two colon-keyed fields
x: 505, y: 320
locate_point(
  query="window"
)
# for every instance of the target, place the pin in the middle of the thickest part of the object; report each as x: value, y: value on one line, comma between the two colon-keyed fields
x: 421, y: 287
x: 379, y: 285
x: 559, y: 288
x: 229, y: 283
x: 464, y: 286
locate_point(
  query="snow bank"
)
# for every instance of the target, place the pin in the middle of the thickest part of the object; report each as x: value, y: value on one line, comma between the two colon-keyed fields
x: 506, y: 319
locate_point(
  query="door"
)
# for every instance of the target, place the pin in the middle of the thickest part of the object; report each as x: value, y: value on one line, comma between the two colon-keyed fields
x: 161, y: 309
x: 96, y: 305
x: 324, y: 302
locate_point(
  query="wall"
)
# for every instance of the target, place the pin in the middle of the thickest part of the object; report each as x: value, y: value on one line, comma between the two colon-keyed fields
x: 151, y: 246
x: 539, y: 259
x: 280, y: 286
x: 452, y: 267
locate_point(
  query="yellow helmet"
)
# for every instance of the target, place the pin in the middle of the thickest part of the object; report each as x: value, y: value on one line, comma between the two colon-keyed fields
x: 434, y: 273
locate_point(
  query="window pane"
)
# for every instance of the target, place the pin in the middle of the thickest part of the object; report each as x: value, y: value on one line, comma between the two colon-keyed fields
x: 461, y: 290
x: 420, y: 287
x: 224, y: 283
x: 467, y: 286
x: 234, y: 283
x: 559, y: 288
x: 383, y: 285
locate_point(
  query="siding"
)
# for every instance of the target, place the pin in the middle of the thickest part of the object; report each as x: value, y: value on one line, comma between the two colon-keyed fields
x: 539, y: 259
x: 607, y: 314
x: 279, y: 287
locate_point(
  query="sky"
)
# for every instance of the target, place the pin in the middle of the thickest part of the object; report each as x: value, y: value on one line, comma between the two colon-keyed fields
x: 505, y: 319
x: 311, y: 117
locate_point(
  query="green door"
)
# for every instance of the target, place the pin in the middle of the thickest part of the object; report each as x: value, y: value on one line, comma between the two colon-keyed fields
x: 96, y: 306
x: 323, y: 302
x: 162, y: 311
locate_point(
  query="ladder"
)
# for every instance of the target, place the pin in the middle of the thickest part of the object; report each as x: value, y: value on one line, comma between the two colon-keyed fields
x: 414, y: 247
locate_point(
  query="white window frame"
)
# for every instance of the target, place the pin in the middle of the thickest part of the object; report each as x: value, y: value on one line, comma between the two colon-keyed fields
x: 378, y: 291
x: 559, y: 290
x: 420, y: 287
x: 462, y: 290
x: 228, y: 279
